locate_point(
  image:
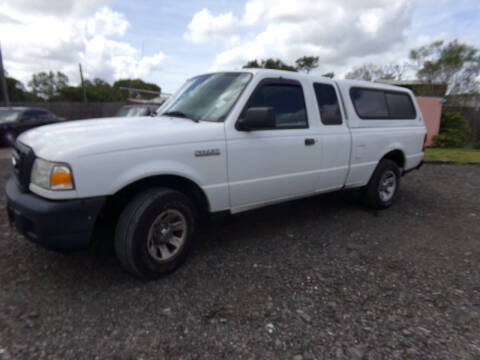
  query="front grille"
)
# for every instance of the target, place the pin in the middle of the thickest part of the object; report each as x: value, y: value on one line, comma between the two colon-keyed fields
x: 23, y: 158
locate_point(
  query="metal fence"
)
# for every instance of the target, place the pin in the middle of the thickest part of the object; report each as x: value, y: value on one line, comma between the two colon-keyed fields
x: 76, y: 110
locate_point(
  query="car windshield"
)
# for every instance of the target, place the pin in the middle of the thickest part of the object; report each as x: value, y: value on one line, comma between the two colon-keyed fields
x: 8, y: 115
x: 207, y: 97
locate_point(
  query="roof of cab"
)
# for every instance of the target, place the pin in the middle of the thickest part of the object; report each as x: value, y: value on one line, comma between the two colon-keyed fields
x: 299, y: 75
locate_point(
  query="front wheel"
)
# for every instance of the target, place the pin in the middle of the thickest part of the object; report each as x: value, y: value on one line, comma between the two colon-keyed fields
x: 155, y: 232
x: 381, y: 190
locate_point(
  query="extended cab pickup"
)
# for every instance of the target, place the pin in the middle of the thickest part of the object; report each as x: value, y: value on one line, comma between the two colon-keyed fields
x: 226, y: 141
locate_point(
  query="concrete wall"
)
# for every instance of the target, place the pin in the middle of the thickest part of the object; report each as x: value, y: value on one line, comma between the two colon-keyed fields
x: 77, y: 110
x: 431, y: 108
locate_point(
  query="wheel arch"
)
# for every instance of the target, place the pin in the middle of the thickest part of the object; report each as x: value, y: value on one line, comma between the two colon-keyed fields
x: 397, y: 156
x: 116, y: 202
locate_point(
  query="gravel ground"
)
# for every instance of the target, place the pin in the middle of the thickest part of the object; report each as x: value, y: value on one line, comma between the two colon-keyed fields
x: 5, y: 153
x: 320, y: 278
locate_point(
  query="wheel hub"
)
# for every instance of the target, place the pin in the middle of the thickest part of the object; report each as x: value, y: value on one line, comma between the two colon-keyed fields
x: 387, y: 185
x: 167, y: 235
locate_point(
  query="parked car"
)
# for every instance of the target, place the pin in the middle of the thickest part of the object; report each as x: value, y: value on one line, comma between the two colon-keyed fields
x: 226, y: 142
x: 15, y: 120
x: 137, y: 110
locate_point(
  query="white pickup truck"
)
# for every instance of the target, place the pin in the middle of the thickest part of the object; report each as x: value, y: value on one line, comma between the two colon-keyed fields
x: 226, y: 141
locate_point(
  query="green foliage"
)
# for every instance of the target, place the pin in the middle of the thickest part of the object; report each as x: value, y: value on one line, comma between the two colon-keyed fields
x: 269, y: 64
x: 373, y: 72
x: 454, y: 131
x: 330, y: 75
x: 47, y: 85
x: 459, y: 156
x: 476, y: 145
x: 99, y: 90
x: 307, y: 63
x: 69, y: 93
x: 135, y: 84
x: 454, y: 63
x: 17, y: 92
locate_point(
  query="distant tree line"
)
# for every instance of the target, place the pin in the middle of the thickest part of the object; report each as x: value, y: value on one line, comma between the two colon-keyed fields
x: 305, y: 63
x: 452, y: 63
x: 50, y: 86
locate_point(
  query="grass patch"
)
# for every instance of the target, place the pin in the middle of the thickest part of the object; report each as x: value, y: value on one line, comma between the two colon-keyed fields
x: 460, y: 156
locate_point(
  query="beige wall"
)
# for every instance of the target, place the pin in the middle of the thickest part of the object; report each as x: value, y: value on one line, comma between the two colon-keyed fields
x: 431, y: 108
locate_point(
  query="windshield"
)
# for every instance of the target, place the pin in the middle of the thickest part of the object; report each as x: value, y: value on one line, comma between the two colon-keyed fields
x: 8, y: 115
x: 208, y: 97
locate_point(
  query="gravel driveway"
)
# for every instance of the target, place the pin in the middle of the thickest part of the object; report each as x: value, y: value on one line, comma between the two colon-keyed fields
x: 321, y: 278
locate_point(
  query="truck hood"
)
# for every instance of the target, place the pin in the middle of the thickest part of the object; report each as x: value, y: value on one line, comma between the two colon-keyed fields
x: 88, y: 137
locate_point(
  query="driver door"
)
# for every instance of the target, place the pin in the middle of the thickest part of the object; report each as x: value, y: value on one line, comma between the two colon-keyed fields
x: 269, y: 165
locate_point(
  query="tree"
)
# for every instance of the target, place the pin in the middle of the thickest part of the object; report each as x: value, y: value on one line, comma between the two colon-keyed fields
x: 454, y: 131
x: 270, y: 64
x: 97, y: 90
x: 330, y: 75
x: 48, y: 85
x: 307, y: 63
x: 17, y: 92
x: 373, y: 72
x: 252, y: 64
x: 455, y: 64
x: 136, y: 84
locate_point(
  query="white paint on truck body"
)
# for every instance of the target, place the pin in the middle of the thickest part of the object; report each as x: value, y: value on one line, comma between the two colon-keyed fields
x: 237, y: 170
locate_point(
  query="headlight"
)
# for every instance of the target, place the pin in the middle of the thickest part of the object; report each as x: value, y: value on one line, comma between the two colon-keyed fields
x: 52, y: 176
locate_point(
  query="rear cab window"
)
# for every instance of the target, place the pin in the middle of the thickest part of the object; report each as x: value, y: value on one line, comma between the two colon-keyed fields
x: 373, y: 104
x: 328, y: 104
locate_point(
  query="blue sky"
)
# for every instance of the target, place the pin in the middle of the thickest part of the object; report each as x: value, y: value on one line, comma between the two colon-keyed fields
x: 167, y: 41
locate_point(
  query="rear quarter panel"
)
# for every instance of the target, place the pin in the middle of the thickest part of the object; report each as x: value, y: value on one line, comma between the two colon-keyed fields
x: 373, y: 139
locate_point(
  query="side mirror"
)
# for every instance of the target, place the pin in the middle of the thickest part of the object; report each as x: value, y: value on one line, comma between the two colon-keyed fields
x: 257, y: 118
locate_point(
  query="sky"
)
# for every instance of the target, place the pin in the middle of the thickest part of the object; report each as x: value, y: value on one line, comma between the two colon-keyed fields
x: 168, y: 41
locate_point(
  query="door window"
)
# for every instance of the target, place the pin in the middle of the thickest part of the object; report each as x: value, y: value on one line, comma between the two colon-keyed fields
x: 287, y: 101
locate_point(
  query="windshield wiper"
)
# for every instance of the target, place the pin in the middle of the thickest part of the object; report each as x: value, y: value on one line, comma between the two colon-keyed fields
x: 180, y: 114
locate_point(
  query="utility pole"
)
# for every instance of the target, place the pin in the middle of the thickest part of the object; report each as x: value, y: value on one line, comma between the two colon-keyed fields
x: 83, y: 84
x: 3, y: 81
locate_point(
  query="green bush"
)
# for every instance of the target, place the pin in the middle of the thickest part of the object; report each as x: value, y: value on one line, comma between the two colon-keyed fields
x: 454, y: 131
x: 476, y: 145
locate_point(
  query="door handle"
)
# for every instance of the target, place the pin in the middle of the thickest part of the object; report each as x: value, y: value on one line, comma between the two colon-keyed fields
x: 309, y: 142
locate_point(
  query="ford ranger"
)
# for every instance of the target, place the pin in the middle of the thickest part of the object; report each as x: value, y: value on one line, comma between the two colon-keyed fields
x: 226, y: 141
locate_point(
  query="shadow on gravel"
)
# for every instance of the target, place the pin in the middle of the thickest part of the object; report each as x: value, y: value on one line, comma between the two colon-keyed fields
x: 224, y: 239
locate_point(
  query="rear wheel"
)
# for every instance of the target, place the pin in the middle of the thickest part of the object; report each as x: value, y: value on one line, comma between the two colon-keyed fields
x: 155, y: 232
x: 381, y: 190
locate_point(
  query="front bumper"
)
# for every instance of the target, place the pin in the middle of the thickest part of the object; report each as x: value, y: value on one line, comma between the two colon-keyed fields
x: 64, y: 225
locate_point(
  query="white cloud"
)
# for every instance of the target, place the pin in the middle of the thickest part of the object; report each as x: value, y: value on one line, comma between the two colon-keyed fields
x: 338, y: 32
x: 57, y: 36
x: 207, y: 28
x: 106, y: 22
x: 56, y: 7
x: 149, y: 64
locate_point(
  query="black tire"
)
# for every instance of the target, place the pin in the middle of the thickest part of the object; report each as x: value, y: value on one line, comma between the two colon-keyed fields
x: 132, y: 244
x: 374, y: 197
